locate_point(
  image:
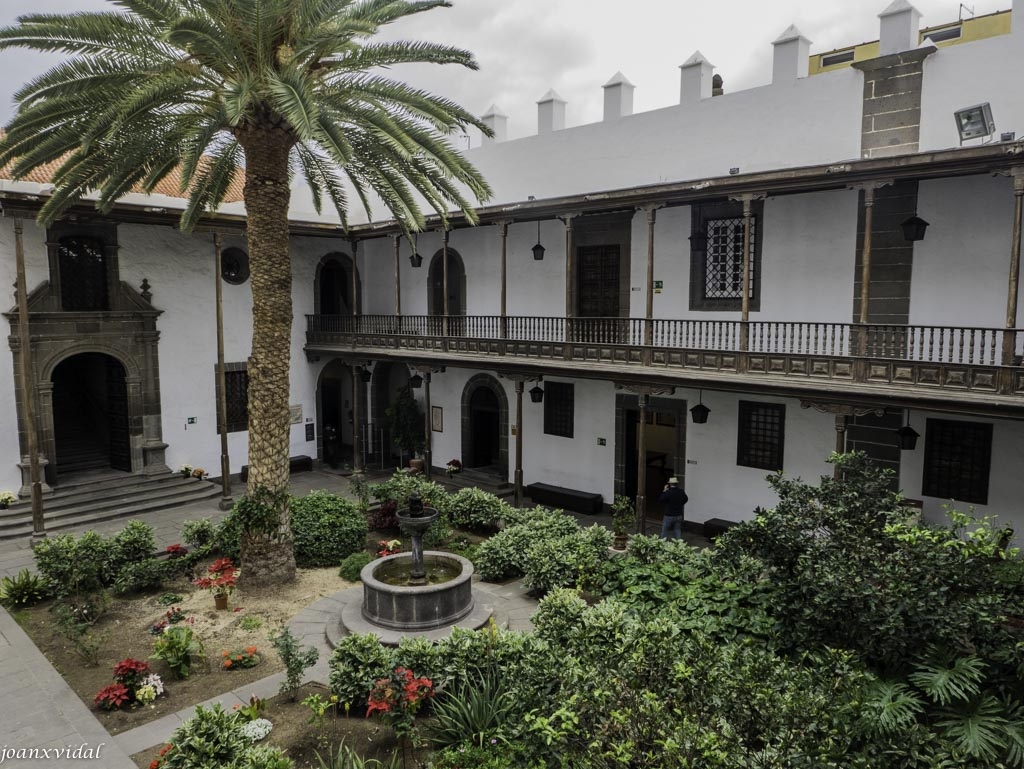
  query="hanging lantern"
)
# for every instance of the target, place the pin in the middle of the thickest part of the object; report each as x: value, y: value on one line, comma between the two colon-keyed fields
x: 414, y: 258
x: 913, y: 228
x: 536, y: 394
x: 908, y: 438
x: 538, y: 250
x: 415, y: 381
x: 365, y: 374
x: 699, y: 413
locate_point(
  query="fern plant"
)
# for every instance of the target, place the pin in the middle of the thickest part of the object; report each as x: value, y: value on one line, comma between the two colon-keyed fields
x: 23, y: 589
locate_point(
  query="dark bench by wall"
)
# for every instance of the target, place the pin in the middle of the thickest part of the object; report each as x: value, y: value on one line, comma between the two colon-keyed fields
x: 566, y: 499
x: 715, y: 527
x: 299, y: 464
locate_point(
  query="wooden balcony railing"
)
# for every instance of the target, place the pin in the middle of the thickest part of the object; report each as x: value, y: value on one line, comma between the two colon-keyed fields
x: 934, y: 344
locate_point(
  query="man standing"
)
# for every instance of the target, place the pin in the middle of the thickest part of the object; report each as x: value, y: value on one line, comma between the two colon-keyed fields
x: 672, y: 500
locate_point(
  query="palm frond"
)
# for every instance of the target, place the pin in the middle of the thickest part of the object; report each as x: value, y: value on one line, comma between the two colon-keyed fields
x: 946, y: 681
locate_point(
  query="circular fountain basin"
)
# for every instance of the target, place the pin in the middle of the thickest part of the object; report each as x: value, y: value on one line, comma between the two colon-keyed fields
x: 417, y: 607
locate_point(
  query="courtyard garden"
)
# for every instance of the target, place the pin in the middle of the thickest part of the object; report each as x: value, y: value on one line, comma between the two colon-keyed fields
x: 833, y: 630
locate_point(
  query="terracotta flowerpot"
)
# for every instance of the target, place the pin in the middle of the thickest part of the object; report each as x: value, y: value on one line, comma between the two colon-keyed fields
x: 220, y: 602
x: 620, y: 541
x: 416, y: 464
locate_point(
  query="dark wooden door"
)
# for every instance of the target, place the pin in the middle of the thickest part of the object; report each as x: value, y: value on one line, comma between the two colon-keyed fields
x: 117, y: 417
x: 598, y: 295
x: 484, y: 418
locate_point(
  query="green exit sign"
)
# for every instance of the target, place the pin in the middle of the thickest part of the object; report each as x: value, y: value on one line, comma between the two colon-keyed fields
x: 658, y: 284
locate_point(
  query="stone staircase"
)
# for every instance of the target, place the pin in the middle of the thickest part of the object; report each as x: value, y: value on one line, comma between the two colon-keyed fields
x: 88, y: 499
x: 482, y: 479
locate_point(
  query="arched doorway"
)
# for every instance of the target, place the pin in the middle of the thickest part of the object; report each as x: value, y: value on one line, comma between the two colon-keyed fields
x: 334, y: 407
x: 91, y: 414
x: 485, y: 426
x: 333, y: 290
x: 456, y: 284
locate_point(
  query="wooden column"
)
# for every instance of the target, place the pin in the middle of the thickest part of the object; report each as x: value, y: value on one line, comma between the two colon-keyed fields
x: 226, y: 501
x: 358, y: 386
x: 357, y: 300
x: 868, y: 189
x: 27, y: 391
x: 504, y: 279
x: 428, y: 443
x: 570, y: 282
x: 398, y: 282
x: 745, y: 298
x: 841, y: 420
x: 649, y: 316
x: 641, y: 467
x: 518, y: 478
x: 1010, y: 336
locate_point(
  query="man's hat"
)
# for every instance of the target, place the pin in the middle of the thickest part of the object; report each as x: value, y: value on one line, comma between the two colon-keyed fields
x: 673, y: 481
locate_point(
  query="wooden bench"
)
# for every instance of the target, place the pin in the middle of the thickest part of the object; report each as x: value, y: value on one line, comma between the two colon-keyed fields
x: 566, y: 499
x: 299, y: 464
x: 715, y: 527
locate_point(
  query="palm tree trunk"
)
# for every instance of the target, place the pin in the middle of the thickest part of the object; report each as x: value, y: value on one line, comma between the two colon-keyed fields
x: 267, y: 557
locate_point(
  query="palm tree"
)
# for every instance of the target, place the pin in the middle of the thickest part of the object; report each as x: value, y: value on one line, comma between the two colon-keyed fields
x: 203, y: 88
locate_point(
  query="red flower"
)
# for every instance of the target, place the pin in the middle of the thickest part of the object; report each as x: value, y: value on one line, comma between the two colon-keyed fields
x: 112, y: 697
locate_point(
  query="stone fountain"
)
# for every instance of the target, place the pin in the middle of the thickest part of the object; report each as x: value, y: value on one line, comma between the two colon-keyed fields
x: 422, y: 593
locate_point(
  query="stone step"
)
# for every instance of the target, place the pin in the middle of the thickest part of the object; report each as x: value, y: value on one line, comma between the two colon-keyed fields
x: 80, y: 505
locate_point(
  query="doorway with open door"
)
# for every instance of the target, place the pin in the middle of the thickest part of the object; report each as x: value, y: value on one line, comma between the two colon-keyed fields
x: 664, y: 453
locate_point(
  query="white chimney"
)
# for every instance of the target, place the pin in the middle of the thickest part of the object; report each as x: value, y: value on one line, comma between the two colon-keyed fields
x: 900, y: 23
x: 618, y: 97
x: 695, y: 79
x: 792, y: 50
x: 497, y: 121
x: 550, y: 113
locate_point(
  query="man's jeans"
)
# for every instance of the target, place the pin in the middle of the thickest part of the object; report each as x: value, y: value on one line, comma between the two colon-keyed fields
x: 672, y: 524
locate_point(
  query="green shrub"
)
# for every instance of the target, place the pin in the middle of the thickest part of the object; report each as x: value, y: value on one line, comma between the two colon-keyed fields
x: 73, y: 566
x: 438, y: 534
x: 211, y: 738
x: 353, y: 565
x: 557, y: 613
x: 401, y: 485
x: 501, y: 756
x: 23, y: 589
x: 264, y: 757
x: 475, y: 509
x: 358, y: 661
x: 327, y: 529
x: 294, y: 658
x: 199, y: 533
x: 474, y: 712
x: 132, y: 544
x: 227, y: 539
x: 143, y: 575
x: 346, y: 758
x: 565, y: 561
x: 504, y: 555
x: 179, y: 648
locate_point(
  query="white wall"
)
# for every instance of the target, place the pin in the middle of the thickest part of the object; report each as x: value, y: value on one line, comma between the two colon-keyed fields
x: 963, y: 75
x: 961, y: 268
x: 1006, y: 482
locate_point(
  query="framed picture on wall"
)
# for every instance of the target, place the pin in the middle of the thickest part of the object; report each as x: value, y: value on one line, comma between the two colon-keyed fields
x: 437, y: 419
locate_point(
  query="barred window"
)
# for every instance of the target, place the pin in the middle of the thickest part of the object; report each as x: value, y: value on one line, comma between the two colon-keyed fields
x: 559, y: 409
x: 83, y: 274
x: 761, y: 438
x: 957, y: 460
x: 236, y: 385
x: 716, y: 257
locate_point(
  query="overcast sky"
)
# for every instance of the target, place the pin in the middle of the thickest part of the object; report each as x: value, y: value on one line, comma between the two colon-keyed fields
x: 526, y: 47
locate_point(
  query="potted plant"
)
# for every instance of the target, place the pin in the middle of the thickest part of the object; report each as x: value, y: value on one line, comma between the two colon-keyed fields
x: 406, y: 422
x: 623, y: 519
x: 223, y: 576
x: 7, y: 499
x: 453, y: 466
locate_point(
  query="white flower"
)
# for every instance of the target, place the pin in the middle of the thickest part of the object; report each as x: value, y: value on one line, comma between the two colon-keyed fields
x: 257, y: 730
x: 7, y: 498
x: 145, y: 694
x: 156, y: 682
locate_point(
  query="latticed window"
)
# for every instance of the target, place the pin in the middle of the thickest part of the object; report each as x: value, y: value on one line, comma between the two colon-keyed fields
x: 723, y: 272
x: 957, y: 460
x: 83, y: 274
x: 559, y: 409
x: 236, y: 386
x: 761, y: 438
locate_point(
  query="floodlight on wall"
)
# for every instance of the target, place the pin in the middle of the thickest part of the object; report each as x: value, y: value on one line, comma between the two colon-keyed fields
x: 699, y: 413
x: 537, y: 394
x: 538, y: 250
x: 913, y: 228
x: 415, y: 381
x: 414, y: 258
x: 908, y: 436
x: 974, y: 122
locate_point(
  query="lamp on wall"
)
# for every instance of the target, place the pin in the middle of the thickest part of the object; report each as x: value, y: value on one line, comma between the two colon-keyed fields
x: 365, y: 374
x: 699, y: 413
x: 538, y: 250
x: 536, y: 394
x: 913, y: 228
x: 908, y: 436
x: 414, y: 258
x: 415, y: 381
x: 974, y: 122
